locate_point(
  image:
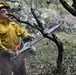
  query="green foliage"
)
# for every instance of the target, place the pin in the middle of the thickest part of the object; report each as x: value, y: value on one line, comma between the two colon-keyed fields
x: 69, y: 55
x: 62, y: 10
x: 69, y: 40
x: 69, y: 63
x: 44, y: 62
x: 47, y: 19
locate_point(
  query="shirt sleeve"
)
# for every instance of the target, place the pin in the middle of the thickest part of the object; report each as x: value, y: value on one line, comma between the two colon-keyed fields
x: 22, y: 32
x: 2, y: 45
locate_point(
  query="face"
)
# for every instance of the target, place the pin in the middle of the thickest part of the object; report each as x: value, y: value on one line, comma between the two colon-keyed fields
x: 3, y: 14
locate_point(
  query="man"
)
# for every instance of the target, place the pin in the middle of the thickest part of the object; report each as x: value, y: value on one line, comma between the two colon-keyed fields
x: 10, y: 33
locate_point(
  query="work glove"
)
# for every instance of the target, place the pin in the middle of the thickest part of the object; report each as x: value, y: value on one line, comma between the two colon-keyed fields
x: 12, y: 54
x: 29, y: 38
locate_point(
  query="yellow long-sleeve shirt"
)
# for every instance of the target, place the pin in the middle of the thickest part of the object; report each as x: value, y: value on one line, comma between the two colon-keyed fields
x: 9, y: 35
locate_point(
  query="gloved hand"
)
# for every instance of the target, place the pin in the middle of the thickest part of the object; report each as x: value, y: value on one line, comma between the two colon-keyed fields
x: 29, y: 38
x: 12, y: 54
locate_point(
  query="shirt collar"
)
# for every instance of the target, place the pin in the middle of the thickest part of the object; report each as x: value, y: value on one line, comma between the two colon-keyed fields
x: 4, y: 22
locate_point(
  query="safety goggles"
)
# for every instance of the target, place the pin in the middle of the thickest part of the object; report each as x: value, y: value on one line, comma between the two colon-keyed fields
x: 3, y: 11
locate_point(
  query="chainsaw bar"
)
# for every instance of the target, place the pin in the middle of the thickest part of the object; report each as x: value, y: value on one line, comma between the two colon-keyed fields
x: 28, y: 44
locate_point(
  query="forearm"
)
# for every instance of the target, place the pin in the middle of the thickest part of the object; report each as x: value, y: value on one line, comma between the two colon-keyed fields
x: 25, y: 34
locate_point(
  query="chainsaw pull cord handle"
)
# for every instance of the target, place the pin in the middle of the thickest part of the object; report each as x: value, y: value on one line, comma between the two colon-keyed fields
x: 21, y: 45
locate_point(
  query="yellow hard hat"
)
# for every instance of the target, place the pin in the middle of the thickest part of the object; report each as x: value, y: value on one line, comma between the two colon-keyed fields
x: 4, y: 5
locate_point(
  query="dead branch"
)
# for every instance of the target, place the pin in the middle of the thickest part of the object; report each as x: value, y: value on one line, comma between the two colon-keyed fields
x: 37, y: 17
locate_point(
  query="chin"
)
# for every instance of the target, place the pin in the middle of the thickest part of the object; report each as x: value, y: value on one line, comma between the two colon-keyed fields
x: 5, y: 18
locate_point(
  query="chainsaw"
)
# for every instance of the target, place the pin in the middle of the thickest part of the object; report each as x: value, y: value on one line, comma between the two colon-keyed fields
x: 27, y: 45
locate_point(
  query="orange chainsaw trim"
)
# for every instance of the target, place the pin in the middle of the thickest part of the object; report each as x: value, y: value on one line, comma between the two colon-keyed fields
x: 16, y: 48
